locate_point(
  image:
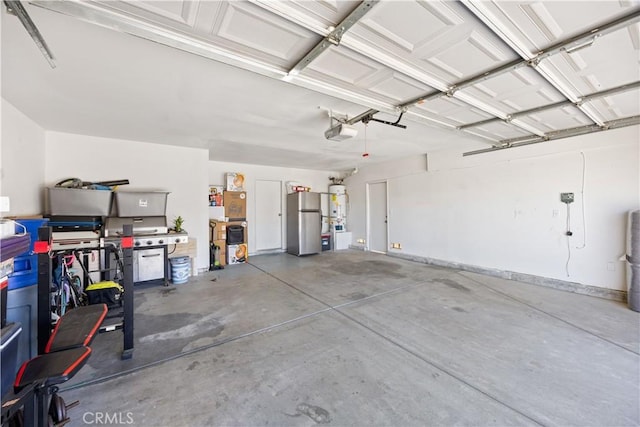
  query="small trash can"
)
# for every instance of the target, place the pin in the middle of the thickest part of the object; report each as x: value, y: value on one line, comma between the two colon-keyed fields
x: 180, y: 269
x: 326, y: 242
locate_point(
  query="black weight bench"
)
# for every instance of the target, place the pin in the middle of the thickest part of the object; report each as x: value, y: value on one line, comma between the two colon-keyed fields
x: 34, y: 401
x: 78, y: 327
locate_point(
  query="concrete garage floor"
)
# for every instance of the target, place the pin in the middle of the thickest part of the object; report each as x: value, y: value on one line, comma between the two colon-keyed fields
x: 360, y: 339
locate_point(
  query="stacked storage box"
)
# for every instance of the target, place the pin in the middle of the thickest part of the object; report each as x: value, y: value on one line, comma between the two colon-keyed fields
x: 235, y: 208
x: 218, y: 237
x: 235, y: 232
x: 237, y: 249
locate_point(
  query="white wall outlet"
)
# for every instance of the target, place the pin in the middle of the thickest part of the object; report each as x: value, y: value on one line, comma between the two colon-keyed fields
x: 361, y: 241
x: 396, y: 246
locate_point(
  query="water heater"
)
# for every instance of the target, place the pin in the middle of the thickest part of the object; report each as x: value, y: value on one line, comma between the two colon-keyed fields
x: 338, y: 207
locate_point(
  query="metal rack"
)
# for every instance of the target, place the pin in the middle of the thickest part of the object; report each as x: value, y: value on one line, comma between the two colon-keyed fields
x: 44, y: 249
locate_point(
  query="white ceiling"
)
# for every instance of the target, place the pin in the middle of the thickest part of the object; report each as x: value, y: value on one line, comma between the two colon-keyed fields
x: 214, y: 74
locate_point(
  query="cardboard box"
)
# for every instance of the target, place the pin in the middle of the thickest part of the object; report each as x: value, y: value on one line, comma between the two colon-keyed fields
x: 217, y: 230
x: 235, y: 181
x: 235, y: 205
x: 237, y: 254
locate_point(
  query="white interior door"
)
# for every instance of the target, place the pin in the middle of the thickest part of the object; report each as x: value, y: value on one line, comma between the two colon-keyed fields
x: 268, y: 215
x: 377, y: 207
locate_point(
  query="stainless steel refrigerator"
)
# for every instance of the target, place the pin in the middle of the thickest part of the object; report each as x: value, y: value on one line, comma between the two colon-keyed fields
x: 304, y: 223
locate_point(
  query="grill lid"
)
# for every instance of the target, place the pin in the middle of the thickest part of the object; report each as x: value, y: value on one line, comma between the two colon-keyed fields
x: 147, y: 225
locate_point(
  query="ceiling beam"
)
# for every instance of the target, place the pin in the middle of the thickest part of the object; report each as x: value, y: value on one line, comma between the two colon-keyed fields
x: 479, y: 9
x: 15, y: 8
x: 559, y: 134
x: 566, y: 103
x: 334, y: 37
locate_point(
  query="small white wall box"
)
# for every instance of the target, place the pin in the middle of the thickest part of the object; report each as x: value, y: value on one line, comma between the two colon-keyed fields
x: 235, y: 181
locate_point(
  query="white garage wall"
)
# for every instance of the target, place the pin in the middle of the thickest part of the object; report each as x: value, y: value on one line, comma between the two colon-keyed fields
x: 502, y: 210
x: 181, y: 171
x: 317, y: 180
x: 22, y: 162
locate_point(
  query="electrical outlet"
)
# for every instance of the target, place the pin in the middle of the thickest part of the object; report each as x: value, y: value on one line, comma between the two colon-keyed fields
x: 396, y: 246
x: 361, y: 241
x: 566, y: 197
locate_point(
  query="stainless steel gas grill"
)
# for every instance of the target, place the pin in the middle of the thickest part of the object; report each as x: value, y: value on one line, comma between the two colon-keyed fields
x: 147, y: 231
x: 151, y: 239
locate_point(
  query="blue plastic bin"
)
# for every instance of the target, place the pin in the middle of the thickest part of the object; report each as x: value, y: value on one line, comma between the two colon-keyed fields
x: 25, y: 266
x: 32, y: 226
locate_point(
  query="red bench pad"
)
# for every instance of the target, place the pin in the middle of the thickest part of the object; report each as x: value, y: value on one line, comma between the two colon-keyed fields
x: 52, y: 368
x: 77, y: 328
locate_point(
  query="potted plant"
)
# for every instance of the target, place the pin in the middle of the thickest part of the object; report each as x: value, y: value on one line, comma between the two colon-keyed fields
x: 177, y: 224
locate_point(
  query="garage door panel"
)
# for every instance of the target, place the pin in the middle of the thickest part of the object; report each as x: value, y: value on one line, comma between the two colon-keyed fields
x: 557, y: 119
x: 517, y: 90
x: 621, y: 105
x: 252, y: 30
x: 360, y: 74
x: 408, y: 25
x: 464, y: 58
x: 240, y: 27
x: 450, y: 108
x: 327, y: 11
x: 347, y: 67
x: 541, y: 24
x: 175, y: 14
x: 441, y: 39
x: 500, y: 130
x: 397, y: 86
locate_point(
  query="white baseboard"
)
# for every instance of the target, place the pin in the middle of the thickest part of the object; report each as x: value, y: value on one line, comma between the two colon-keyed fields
x: 575, y: 287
